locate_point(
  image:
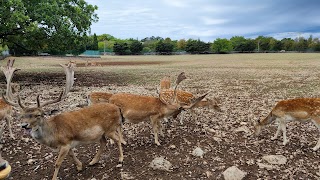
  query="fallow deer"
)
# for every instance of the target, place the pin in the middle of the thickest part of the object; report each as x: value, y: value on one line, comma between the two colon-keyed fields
x: 184, y: 97
x: 65, y: 131
x: 300, y: 109
x: 138, y: 108
x: 6, y: 110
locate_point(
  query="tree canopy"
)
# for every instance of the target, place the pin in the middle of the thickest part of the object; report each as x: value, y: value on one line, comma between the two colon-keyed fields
x: 30, y: 26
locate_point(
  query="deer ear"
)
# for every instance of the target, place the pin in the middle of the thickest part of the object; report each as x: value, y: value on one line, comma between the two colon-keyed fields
x: 51, y: 112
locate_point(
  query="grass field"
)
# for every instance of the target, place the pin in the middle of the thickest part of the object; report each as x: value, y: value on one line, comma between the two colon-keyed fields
x: 248, y: 86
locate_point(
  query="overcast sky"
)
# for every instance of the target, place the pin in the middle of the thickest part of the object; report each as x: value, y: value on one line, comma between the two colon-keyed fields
x: 207, y: 19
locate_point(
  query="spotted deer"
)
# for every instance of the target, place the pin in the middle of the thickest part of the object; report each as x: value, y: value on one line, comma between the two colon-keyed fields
x: 6, y: 110
x: 300, y: 109
x: 139, y: 108
x: 185, y: 97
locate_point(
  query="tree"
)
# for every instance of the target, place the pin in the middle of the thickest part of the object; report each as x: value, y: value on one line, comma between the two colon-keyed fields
x: 301, y: 44
x: 164, y: 47
x: 30, y: 26
x: 197, y: 47
x: 287, y: 44
x: 238, y: 43
x: 121, y: 48
x: 181, y: 44
x: 136, y: 47
x: 221, y: 46
x: 93, y: 43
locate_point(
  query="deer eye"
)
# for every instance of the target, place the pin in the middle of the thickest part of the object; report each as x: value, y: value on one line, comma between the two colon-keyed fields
x: 27, y: 116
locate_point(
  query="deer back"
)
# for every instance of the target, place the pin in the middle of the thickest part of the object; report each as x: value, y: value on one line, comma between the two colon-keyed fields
x: 96, y: 97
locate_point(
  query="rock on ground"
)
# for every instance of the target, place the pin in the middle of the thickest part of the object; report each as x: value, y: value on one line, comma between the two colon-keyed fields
x: 233, y: 173
x: 160, y: 163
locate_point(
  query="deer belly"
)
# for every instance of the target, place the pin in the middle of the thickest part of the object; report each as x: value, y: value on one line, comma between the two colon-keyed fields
x: 136, y: 116
x: 90, y: 134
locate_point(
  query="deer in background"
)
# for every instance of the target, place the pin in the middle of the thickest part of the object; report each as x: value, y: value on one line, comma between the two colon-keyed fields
x: 6, y: 110
x: 139, y: 108
x: 300, y: 109
x: 67, y: 130
x: 184, y: 97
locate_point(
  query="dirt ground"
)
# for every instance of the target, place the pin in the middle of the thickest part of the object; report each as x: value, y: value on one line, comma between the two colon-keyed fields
x: 247, y: 92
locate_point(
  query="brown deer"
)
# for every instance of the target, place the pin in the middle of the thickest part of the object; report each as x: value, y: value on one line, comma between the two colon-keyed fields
x: 184, y: 97
x: 65, y: 131
x: 138, y: 108
x: 300, y: 109
x: 6, y: 110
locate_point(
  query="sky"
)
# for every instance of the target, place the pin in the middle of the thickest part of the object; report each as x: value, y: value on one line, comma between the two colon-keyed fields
x: 207, y: 19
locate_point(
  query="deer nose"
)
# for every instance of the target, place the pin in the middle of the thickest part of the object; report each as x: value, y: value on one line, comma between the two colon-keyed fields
x: 3, y: 165
x: 25, y: 125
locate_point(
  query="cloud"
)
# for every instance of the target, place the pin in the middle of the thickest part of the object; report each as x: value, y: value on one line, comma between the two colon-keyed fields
x: 213, y: 21
x: 207, y: 19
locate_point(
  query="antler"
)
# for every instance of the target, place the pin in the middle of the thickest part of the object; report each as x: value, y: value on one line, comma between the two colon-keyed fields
x: 69, y: 71
x: 49, y: 102
x: 195, y: 101
x: 8, y: 72
x: 180, y: 78
x: 19, y: 104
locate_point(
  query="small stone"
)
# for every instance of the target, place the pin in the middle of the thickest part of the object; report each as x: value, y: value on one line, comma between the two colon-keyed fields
x: 160, y: 163
x: 30, y: 161
x: 198, y: 152
x: 266, y: 166
x: 172, y: 146
x: 233, y: 173
x: 275, y: 159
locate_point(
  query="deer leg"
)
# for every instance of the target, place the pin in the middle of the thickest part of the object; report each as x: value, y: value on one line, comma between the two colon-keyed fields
x: 182, y: 114
x: 8, y: 119
x: 154, y: 122
x: 96, y: 158
x: 1, y: 131
x: 277, y: 133
x: 76, y: 160
x: 62, y: 154
x: 284, y: 131
x: 160, y: 128
x: 118, y: 139
x: 318, y: 143
x: 119, y: 133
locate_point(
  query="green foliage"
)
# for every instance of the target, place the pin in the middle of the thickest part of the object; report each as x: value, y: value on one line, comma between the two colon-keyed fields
x: 164, y: 47
x: 181, y: 44
x: 121, y: 48
x: 136, y: 47
x: 221, y: 46
x: 92, y: 42
x: 197, y: 47
x: 48, y: 25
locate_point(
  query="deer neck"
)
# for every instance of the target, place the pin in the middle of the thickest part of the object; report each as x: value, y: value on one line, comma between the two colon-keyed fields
x: 202, y: 103
x: 45, y: 133
x: 269, y: 119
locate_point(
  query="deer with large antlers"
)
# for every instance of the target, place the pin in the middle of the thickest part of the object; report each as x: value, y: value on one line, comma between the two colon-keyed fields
x: 6, y: 110
x: 185, y: 97
x: 138, y: 108
x: 67, y: 130
x: 300, y: 109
